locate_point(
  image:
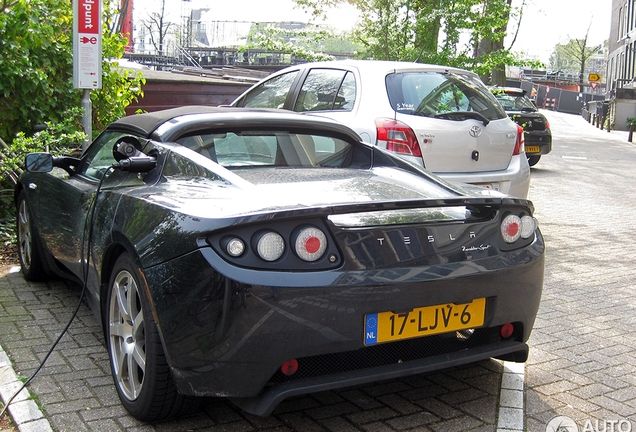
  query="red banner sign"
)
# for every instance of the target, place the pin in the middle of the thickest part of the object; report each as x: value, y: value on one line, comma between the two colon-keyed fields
x: 88, y: 16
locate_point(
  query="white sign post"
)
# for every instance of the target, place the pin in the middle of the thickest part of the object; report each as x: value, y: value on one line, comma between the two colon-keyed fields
x: 87, y: 54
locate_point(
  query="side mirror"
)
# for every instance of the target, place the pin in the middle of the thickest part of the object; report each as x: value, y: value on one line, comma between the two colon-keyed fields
x: 39, y: 162
x: 45, y: 162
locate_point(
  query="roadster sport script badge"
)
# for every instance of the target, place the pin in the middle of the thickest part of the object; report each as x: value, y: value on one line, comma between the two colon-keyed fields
x: 474, y: 131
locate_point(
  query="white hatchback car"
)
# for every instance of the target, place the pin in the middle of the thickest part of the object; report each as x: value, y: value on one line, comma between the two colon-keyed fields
x: 439, y: 117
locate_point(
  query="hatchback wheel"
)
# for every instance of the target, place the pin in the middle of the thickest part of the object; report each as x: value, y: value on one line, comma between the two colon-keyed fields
x: 30, y: 261
x: 140, y: 370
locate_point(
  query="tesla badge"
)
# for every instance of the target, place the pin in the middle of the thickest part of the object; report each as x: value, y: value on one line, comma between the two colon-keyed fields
x: 475, y: 131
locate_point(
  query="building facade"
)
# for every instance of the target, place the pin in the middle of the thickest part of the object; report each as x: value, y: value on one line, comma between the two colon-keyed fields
x: 621, y: 64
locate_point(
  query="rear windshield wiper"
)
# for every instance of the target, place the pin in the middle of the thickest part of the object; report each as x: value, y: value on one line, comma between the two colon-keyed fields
x: 463, y: 115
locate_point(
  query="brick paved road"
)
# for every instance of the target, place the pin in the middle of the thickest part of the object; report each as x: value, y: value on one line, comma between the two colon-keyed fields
x: 582, y: 357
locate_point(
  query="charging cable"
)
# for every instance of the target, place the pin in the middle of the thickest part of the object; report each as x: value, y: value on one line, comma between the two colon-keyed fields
x: 79, y: 303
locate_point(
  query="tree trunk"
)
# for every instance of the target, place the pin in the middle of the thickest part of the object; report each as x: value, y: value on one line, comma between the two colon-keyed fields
x: 486, y: 45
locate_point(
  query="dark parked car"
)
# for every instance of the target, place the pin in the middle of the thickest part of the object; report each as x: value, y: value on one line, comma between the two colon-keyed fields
x: 536, y: 127
x: 261, y: 254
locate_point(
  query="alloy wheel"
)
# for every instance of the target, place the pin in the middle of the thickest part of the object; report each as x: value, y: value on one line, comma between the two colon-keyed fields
x: 127, y: 335
x: 25, y: 236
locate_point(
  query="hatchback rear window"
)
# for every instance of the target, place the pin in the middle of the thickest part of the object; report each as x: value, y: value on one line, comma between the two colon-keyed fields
x: 514, y: 102
x: 435, y: 94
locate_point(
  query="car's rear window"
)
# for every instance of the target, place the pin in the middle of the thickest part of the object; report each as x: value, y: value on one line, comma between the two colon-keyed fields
x: 270, y: 148
x: 514, y: 102
x: 431, y: 94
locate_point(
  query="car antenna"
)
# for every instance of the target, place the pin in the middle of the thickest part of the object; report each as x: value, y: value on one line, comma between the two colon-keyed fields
x: 395, y: 109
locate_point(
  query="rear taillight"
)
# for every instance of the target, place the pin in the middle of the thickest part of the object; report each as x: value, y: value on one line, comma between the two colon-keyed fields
x: 310, y: 244
x: 270, y: 246
x: 397, y: 137
x: 547, y: 124
x: 511, y: 228
x: 514, y: 227
x: 520, y: 144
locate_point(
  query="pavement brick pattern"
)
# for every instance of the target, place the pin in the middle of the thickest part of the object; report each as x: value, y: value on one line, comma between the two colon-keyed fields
x: 582, y: 354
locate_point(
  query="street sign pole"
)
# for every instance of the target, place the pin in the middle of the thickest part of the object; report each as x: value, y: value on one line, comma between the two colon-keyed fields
x: 87, y: 55
x: 87, y: 118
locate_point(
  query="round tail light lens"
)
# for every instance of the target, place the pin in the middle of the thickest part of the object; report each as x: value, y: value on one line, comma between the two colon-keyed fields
x: 511, y: 228
x: 270, y: 246
x: 235, y: 247
x: 310, y: 244
x: 528, y: 226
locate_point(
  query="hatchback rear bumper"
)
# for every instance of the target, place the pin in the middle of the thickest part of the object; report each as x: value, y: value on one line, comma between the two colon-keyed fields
x: 515, y: 180
x: 541, y: 139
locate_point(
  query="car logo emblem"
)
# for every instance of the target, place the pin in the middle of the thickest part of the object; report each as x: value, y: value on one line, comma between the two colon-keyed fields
x: 475, y: 131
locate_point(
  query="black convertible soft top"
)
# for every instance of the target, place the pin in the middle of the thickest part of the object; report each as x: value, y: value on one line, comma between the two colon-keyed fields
x: 145, y: 124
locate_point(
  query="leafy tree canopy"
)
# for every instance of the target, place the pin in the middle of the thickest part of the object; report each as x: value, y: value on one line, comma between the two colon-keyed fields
x: 36, y: 68
x: 462, y: 33
x: 573, y: 56
x: 311, y: 43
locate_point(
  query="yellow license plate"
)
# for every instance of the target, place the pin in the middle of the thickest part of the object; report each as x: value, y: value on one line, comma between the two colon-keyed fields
x: 424, y: 321
x: 532, y: 149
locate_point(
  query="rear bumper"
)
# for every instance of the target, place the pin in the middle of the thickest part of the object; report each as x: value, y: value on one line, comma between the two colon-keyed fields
x: 541, y: 139
x: 225, y: 334
x: 265, y: 403
x: 515, y: 180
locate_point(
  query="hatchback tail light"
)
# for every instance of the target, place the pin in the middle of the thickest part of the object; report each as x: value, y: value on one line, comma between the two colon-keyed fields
x: 397, y: 137
x: 547, y: 124
x: 521, y: 141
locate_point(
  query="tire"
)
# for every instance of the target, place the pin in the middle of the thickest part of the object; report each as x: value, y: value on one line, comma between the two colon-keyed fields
x: 138, y: 363
x: 28, y: 251
x: 533, y: 160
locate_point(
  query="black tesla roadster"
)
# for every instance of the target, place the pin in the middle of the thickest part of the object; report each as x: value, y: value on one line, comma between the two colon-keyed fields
x: 260, y: 254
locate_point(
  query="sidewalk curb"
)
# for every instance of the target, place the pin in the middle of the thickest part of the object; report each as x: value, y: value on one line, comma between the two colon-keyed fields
x: 25, y: 413
x: 511, y: 411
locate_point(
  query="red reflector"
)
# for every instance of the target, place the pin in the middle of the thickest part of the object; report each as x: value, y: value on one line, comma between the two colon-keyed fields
x: 312, y: 245
x: 513, y: 229
x: 399, y: 148
x: 289, y: 367
x: 507, y: 330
